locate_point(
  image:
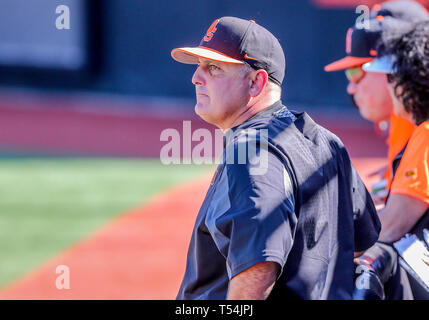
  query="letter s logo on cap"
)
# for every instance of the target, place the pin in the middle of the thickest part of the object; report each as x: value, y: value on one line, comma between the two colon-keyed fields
x: 211, y: 31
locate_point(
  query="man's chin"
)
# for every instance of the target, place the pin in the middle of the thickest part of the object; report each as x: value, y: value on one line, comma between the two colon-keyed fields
x: 364, y: 114
x: 201, y: 111
x: 198, y: 108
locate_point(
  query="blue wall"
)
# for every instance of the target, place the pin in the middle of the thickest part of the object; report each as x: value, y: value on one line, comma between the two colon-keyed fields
x: 138, y: 35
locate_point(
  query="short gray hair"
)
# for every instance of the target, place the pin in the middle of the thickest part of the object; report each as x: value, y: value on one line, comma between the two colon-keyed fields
x: 272, y: 86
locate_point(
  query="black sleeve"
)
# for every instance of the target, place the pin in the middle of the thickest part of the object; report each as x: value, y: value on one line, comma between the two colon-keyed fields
x: 252, y: 217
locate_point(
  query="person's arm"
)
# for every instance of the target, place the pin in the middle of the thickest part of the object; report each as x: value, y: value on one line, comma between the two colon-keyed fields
x: 401, y: 213
x: 254, y: 283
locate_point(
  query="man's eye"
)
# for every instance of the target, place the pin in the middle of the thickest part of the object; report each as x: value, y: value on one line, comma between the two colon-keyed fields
x: 213, y: 67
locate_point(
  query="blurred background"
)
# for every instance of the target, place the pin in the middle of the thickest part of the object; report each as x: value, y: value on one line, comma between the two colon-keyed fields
x: 84, y: 98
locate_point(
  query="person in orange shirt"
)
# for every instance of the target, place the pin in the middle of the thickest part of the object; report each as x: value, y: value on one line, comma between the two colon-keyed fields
x: 406, y: 63
x: 369, y: 92
x: 405, y: 60
x: 400, y: 131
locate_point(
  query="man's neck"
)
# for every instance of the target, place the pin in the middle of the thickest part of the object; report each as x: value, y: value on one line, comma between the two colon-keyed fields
x: 251, y: 109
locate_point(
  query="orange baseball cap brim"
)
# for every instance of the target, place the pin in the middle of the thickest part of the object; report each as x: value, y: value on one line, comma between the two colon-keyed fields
x: 190, y: 55
x: 346, y: 63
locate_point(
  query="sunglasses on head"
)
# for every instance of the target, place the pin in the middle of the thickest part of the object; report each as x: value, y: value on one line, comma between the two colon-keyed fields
x: 355, y: 74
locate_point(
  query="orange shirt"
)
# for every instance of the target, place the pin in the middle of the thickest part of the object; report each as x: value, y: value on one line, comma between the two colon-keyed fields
x: 412, y: 176
x: 399, y: 133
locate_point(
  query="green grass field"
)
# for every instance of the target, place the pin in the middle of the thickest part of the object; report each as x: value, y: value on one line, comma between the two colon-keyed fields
x: 46, y: 205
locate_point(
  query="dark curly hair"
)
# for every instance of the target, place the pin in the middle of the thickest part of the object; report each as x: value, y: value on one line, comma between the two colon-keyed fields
x: 411, y: 76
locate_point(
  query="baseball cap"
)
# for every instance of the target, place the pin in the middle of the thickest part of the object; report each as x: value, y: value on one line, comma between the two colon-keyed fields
x: 238, y: 41
x: 410, y: 11
x: 361, y: 46
x: 384, y: 64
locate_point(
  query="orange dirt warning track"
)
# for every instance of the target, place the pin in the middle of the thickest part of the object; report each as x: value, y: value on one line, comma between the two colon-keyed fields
x: 139, y: 255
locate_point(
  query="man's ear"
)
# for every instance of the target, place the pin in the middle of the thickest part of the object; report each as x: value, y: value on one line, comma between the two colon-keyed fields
x: 259, y: 81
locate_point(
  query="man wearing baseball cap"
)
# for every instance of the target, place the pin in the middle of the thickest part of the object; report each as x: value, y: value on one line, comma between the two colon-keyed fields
x: 405, y: 61
x: 285, y: 227
x: 369, y: 91
x: 371, y: 95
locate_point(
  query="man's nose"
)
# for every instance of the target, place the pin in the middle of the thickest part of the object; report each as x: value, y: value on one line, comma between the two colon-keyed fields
x: 351, y: 88
x: 197, y: 78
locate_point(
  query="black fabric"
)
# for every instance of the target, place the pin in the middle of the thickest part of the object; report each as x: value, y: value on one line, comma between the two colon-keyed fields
x: 246, y: 218
x: 332, y: 204
x: 365, y: 40
x: 419, y: 292
x: 326, y: 214
x: 398, y: 286
x: 247, y: 41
